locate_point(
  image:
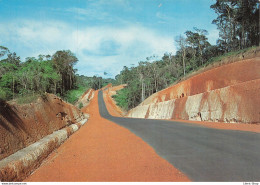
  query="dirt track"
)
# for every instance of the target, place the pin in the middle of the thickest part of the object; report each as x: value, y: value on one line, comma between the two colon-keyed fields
x: 104, y: 151
x: 23, y: 125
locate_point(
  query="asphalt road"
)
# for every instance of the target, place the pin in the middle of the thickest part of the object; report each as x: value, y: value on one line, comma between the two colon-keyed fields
x: 203, y: 154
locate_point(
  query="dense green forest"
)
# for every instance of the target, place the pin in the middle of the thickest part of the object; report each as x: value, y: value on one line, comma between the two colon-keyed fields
x: 238, y: 25
x: 53, y: 74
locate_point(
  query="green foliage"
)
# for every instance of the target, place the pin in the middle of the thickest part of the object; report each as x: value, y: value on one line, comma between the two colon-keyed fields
x: 152, y: 76
x: 73, y: 95
x: 63, y: 62
x: 238, y: 23
x: 5, y: 93
x: 37, y: 75
x: 80, y: 105
x: 3, y: 51
x: 147, y: 78
x: 230, y: 54
x: 121, y: 98
x: 28, y: 98
x: 106, y: 81
x: 99, y: 82
x: 82, y: 80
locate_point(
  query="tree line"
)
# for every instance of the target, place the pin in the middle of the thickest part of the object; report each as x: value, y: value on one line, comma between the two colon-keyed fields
x: 238, y: 25
x: 237, y: 22
x: 95, y: 82
x: 53, y: 74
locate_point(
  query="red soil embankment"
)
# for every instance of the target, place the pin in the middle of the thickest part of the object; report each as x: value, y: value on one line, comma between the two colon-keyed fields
x: 22, y: 125
x: 220, y: 77
x: 229, y: 93
x: 103, y: 151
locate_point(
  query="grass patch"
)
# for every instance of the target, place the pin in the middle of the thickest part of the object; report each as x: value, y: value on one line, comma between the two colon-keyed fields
x: 121, y: 98
x: 28, y: 98
x: 230, y: 54
x: 80, y: 105
x: 72, y: 96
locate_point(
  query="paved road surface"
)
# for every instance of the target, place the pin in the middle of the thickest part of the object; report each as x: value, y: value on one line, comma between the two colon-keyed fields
x: 203, y: 154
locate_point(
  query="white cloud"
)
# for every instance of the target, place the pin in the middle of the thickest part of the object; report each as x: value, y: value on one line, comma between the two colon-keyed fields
x: 99, y: 49
x: 90, y: 13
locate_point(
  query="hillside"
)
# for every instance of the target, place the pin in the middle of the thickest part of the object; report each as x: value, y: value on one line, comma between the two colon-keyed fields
x: 30, y: 132
x: 228, y: 93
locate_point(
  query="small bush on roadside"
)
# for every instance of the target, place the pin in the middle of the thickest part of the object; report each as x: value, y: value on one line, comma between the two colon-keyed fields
x: 121, y: 98
x: 80, y: 105
x: 73, y: 95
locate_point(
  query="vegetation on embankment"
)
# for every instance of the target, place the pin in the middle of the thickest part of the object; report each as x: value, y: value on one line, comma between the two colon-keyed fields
x: 121, y: 99
x: 73, y: 95
x: 238, y: 26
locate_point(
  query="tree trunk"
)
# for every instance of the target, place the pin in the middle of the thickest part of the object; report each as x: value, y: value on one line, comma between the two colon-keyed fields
x: 55, y: 87
x: 156, y: 85
x: 70, y: 80
x: 201, y: 54
x: 143, y: 90
x: 13, y: 87
x: 183, y: 61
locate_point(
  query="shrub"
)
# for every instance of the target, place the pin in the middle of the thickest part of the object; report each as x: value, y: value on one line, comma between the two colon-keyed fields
x: 80, y: 105
x: 73, y: 95
x: 5, y: 94
x: 121, y: 98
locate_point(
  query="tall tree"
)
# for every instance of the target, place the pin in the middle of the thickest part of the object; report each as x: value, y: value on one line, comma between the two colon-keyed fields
x: 238, y: 23
x: 64, y: 62
x: 198, y: 42
x: 3, y: 51
x: 182, y: 43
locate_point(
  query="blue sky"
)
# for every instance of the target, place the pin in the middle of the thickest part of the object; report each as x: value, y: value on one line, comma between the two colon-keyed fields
x: 105, y: 35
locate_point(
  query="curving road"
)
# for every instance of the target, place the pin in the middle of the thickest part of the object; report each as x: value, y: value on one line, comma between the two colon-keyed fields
x: 203, y: 154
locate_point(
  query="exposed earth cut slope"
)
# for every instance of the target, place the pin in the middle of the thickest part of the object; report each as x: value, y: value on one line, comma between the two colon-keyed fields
x: 23, y: 125
x: 229, y: 93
